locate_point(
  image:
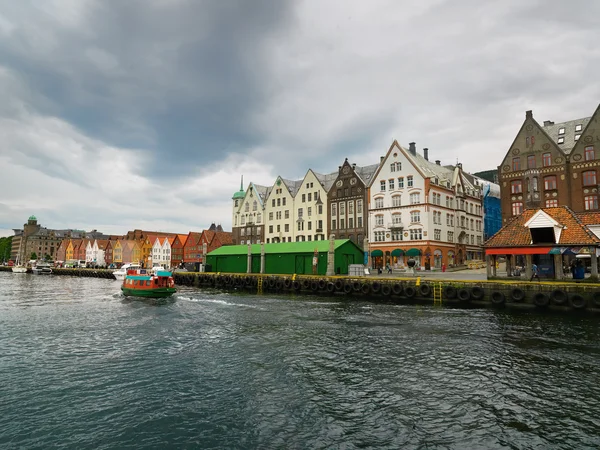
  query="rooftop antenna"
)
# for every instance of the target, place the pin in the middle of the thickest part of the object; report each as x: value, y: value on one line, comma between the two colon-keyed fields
x: 242, y: 184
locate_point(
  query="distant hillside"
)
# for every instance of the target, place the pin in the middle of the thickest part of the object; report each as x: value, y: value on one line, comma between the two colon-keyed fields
x: 489, y: 175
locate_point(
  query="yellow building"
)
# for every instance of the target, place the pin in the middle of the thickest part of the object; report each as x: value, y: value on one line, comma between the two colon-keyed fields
x: 118, y: 253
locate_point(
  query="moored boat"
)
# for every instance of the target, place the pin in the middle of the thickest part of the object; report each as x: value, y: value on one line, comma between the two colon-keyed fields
x: 122, y: 272
x: 141, y: 283
x: 42, y: 269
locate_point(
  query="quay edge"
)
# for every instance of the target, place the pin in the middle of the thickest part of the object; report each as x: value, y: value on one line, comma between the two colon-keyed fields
x: 544, y: 295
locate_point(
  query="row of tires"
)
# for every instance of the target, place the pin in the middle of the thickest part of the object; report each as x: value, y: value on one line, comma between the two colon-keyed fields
x: 449, y: 292
x: 85, y: 273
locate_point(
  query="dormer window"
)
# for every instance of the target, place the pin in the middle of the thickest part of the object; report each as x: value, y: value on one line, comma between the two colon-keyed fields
x: 561, y: 131
x: 561, y: 140
x: 577, y: 136
x: 578, y: 127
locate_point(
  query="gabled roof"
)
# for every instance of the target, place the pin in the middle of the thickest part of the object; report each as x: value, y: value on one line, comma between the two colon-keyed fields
x: 194, y: 236
x: 426, y: 168
x: 366, y: 173
x: 102, y: 243
x: 283, y: 247
x: 208, y: 235
x: 326, y: 180
x: 182, y: 238
x: 516, y: 234
x: 293, y: 186
x: 224, y: 237
x: 569, y: 134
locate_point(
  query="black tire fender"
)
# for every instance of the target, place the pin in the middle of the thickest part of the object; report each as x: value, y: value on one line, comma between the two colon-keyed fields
x: 577, y: 301
x: 449, y: 292
x: 397, y: 288
x: 477, y: 292
x: 464, y: 295
x: 410, y: 291
x: 376, y: 287
x: 365, y: 288
x: 498, y: 298
x: 425, y: 290
x: 541, y: 300
x: 330, y: 287
x: 558, y: 297
x: 517, y: 294
x: 386, y: 289
x: 347, y: 288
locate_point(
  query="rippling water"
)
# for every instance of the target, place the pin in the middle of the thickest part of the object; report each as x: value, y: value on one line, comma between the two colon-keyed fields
x: 82, y: 367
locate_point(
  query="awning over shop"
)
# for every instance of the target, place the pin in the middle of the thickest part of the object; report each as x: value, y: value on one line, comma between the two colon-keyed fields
x: 413, y: 252
x: 518, y: 251
x: 376, y: 253
x: 397, y: 252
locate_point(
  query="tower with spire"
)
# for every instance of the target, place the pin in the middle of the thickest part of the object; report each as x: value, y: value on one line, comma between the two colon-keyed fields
x: 238, y: 198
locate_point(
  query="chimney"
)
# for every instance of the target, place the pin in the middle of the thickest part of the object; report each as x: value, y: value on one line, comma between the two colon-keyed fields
x: 339, y: 169
x: 548, y: 122
x: 354, y: 165
x: 438, y: 162
x: 381, y: 159
x: 412, y: 148
x: 426, y: 154
x: 529, y: 114
x: 459, y: 165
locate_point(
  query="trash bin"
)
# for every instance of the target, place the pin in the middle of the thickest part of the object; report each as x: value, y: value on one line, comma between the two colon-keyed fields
x: 208, y: 267
x: 579, y: 273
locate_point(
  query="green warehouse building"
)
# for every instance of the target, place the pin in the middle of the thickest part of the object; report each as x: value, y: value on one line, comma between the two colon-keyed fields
x: 286, y: 257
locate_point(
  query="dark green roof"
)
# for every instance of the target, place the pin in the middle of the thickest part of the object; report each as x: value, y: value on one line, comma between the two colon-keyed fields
x: 32, y: 218
x: 282, y: 247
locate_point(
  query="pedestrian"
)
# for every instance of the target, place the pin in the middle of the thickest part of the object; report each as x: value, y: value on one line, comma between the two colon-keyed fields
x: 389, y: 268
x: 535, y: 273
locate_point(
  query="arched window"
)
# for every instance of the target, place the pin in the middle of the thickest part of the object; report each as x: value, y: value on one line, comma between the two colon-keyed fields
x: 247, y: 207
x: 254, y: 205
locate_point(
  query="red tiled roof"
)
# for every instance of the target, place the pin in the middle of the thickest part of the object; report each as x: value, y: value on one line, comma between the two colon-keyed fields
x: 589, y: 218
x: 209, y: 235
x: 516, y: 234
x: 225, y: 237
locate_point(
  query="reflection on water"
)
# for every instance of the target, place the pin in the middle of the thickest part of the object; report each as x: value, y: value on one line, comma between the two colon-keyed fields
x: 84, y: 367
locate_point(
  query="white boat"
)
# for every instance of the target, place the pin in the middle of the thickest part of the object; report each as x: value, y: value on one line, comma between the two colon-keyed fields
x: 120, y: 273
x: 19, y: 268
x: 42, y: 269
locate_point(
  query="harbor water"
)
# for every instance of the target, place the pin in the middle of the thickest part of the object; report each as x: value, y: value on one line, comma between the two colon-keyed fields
x: 82, y: 367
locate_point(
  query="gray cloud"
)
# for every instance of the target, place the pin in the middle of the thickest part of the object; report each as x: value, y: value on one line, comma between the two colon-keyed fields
x: 171, y: 92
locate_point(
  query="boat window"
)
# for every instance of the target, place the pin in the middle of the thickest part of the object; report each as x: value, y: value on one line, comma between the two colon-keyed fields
x: 135, y: 282
x: 148, y: 283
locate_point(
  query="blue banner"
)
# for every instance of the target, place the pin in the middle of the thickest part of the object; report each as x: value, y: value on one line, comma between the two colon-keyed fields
x: 366, y: 259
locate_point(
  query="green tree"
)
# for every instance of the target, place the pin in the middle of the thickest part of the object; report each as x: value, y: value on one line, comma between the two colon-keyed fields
x: 47, y: 257
x: 5, y: 248
x: 33, y: 256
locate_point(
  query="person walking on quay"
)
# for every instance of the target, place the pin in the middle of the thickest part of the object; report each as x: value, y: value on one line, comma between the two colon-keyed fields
x: 535, y: 273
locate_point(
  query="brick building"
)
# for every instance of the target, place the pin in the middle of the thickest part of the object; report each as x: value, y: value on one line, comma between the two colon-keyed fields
x: 550, y: 165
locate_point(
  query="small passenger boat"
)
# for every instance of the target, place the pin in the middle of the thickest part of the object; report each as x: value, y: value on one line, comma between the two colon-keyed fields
x: 143, y: 283
x: 42, y: 269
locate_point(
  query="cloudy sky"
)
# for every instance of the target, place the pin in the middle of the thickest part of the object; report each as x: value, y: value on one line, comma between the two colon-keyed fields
x: 123, y: 114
